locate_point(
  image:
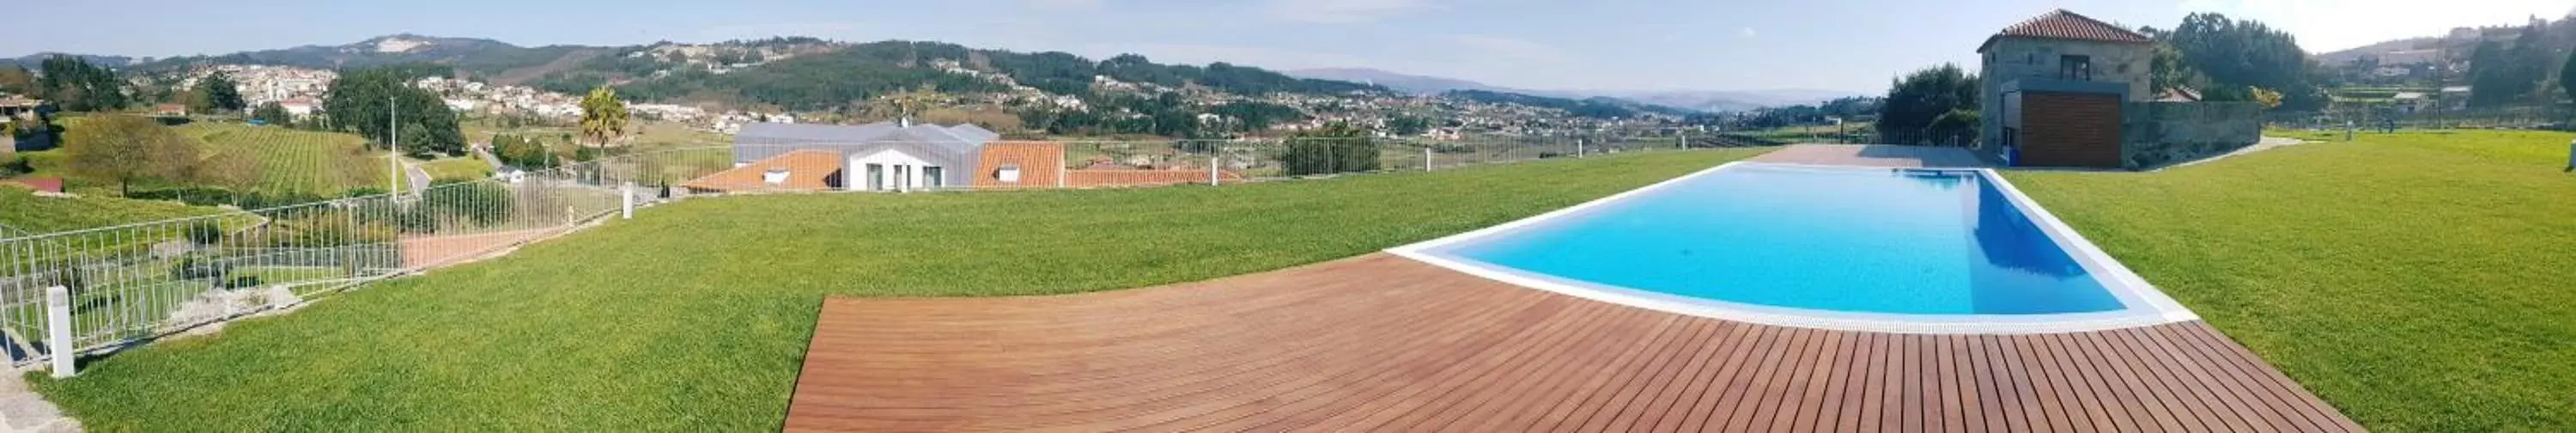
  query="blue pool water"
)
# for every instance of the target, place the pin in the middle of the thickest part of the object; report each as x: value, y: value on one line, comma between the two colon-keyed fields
x: 1874, y: 241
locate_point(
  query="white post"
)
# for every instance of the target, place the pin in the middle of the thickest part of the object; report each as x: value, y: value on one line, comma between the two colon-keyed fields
x: 1426, y: 159
x: 1578, y: 148
x: 58, y: 330
x: 1685, y: 138
x: 626, y: 191
x: 1212, y: 161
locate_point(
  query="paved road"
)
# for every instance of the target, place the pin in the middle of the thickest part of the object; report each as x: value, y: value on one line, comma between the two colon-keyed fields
x: 484, y: 150
x: 419, y: 178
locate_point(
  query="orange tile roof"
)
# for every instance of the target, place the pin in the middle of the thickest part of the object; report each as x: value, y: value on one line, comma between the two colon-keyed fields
x: 2062, y: 24
x: 807, y: 170
x: 1041, y: 164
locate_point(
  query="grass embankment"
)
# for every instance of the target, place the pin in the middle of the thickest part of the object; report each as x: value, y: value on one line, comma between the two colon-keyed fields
x: 2418, y: 281
x: 694, y: 316
x: 287, y: 160
x: 23, y: 210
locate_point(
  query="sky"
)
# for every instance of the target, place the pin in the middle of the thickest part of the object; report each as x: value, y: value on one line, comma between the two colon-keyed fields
x: 1844, y: 45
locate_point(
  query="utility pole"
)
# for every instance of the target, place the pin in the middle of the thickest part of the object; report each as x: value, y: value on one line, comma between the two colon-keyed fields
x: 393, y: 158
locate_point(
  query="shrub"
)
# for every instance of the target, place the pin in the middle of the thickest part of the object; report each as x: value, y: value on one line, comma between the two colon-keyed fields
x: 1957, y: 127
x: 190, y: 268
x: 1335, y: 148
x: 205, y: 233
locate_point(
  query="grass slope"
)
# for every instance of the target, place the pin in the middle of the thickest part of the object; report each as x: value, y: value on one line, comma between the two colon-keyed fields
x: 322, y: 163
x: 694, y: 316
x: 22, y: 209
x: 2416, y: 281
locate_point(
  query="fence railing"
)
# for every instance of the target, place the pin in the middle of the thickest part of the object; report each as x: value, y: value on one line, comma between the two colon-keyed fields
x: 132, y: 283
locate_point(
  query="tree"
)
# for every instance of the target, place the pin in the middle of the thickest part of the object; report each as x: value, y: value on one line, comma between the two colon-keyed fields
x: 2238, y: 54
x: 76, y: 85
x: 366, y: 101
x: 2567, y: 77
x: 220, y: 93
x: 125, y: 149
x: 2168, y: 71
x: 2267, y: 97
x: 14, y: 79
x: 273, y: 113
x: 603, y: 117
x: 1915, y: 101
x: 1957, y: 127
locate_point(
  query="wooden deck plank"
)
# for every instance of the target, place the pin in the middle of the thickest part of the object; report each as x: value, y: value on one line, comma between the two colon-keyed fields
x: 1384, y: 343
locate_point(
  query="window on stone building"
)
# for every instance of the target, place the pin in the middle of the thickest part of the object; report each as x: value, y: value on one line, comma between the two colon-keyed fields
x: 2078, y: 68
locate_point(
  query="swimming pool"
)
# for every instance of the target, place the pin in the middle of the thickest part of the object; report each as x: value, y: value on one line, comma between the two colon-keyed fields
x: 1851, y: 248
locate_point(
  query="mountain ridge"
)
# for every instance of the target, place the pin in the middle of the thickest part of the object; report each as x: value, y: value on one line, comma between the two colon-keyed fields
x: 1697, y: 100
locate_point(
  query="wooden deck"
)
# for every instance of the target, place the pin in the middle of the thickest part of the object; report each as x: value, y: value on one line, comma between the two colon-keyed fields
x: 1383, y: 343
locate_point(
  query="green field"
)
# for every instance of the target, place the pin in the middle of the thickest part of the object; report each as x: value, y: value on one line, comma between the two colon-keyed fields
x: 466, y: 168
x: 23, y: 210
x: 2415, y: 281
x: 2418, y: 281
x: 287, y: 160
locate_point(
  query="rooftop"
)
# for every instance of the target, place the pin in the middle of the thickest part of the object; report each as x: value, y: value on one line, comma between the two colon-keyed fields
x: 2067, y: 25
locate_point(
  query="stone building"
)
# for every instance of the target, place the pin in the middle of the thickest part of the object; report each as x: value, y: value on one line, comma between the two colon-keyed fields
x: 2067, y: 90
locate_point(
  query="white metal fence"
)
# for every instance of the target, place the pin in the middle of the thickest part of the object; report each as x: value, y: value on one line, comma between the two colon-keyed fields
x: 129, y: 284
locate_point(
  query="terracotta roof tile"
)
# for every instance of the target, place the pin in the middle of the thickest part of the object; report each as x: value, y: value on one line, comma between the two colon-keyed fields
x: 2062, y: 24
x: 807, y: 170
x: 1041, y: 164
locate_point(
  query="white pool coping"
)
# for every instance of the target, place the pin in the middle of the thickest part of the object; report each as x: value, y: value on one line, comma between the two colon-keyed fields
x: 2143, y: 304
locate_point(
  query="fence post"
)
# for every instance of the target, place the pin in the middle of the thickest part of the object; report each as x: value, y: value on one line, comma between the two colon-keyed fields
x: 1426, y: 158
x: 626, y: 205
x: 58, y: 330
x: 1578, y: 148
x: 1212, y: 162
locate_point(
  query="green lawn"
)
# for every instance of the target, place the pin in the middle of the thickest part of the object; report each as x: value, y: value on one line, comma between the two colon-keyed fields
x: 287, y: 160
x: 23, y: 210
x: 2418, y: 281
x: 694, y: 316
x: 465, y: 168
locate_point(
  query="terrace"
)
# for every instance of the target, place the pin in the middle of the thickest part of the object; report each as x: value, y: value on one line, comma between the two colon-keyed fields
x: 2395, y: 283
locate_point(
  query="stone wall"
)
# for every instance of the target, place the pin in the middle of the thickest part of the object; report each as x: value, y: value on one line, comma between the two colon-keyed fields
x: 2020, y: 59
x: 2156, y: 134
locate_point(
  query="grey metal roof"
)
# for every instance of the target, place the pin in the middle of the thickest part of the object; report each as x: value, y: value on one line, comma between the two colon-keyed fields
x: 776, y: 133
x: 763, y: 140
x: 972, y: 132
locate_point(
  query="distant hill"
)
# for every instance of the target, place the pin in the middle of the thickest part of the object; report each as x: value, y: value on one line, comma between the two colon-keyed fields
x: 468, y: 56
x: 1709, y: 101
x: 1415, y: 84
x: 31, y: 61
x: 799, y: 73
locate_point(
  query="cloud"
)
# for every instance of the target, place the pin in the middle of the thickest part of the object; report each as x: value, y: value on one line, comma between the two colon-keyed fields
x: 1342, y: 11
x: 1747, y: 32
